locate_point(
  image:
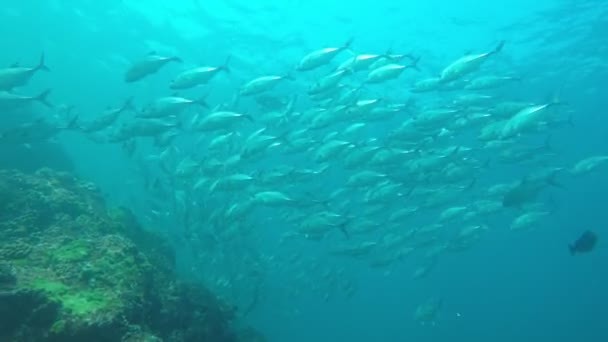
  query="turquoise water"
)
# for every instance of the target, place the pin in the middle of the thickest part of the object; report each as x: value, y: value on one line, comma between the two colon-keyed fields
x: 508, y: 286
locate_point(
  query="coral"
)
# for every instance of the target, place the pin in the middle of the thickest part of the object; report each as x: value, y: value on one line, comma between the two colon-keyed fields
x: 16, y: 250
x: 74, y: 271
x: 7, y: 275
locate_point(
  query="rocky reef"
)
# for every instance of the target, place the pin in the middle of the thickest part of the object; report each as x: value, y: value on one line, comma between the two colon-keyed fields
x: 73, y: 270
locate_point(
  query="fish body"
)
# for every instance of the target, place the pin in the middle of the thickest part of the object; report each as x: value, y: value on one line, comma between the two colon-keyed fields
x: 273, y: 199
x: 425, y: 85
x: 466, y: 65
x: 321, y: 57
x: 16, y: 76
x: 388, y: 72
x: 233, y: 182
x: 528, y: 189
x: 385, y: 73
x: 588, y: 164
x: 168, y: 106
x: 489, y: 82
x: 328, y: 82
x: 472, y: 100
x: 144, y: 128
x: 36, y: 131
x: 220, y: 120
x: 525, y: 120
x: 330, y: 149
x: 147, y: 66
x: 427, y: 312
x: 10, y: 101
x: 365, y: 178
x: 360, y: 62
x: 528, y: 220
x: 260, y: 85
x: 107, y: 118
x: 197, y: 76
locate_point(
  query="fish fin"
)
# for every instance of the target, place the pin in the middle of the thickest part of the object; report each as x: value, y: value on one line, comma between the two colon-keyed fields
x: 572, y: 249
x: 387, y: 54
x: 41, y: 65
x: 42, y: 98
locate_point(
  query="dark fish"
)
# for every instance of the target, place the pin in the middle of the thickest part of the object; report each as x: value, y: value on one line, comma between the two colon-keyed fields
x: 584, y: 244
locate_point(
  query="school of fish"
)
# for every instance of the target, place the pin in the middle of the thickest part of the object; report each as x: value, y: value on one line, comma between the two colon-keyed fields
x: 329, y: 168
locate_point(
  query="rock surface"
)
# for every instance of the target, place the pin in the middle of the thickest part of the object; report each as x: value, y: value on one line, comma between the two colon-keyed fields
x: 71, y: 270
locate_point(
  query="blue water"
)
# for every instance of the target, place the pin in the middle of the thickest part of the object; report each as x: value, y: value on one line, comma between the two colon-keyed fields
x: 508, y: 287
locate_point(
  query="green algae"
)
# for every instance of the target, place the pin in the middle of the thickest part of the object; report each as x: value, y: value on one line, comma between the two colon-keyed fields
x: 52, y: 288
x: 79, y: 302
x: 85, y: 303
x: 58, y: 327
x: 71, y: 252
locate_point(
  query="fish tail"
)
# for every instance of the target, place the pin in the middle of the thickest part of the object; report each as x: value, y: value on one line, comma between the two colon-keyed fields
x: 176, y: 59
x: 554, y: 182
x: 290, y: 106
x: 471, y: 184
x: 414, y: 63
x: 202, y: 101
x: 547, y: 144
x: 499, y: 47
x: 555, y: 99
x: 249, y: 117
x: 41, y: 65
x: 342, y: 227
x: 571, y: 120
x: 42, y: 98
x: 128, y: 105
x: 572, y: 249
x: 284, y: 137
x: 73, y: 123
x: 289, y: 76
x: 348, y: 44
x: 225, y: 65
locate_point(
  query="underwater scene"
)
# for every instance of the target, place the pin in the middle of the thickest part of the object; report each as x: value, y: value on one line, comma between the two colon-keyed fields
x: 297, y: 171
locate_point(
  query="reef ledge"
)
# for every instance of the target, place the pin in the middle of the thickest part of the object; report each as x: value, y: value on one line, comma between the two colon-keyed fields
x: 73, y: 270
